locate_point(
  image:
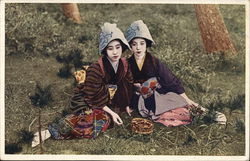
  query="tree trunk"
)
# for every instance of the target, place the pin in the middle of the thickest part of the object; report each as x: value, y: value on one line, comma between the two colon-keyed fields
x: 71, y: 11
x: 213, y: 31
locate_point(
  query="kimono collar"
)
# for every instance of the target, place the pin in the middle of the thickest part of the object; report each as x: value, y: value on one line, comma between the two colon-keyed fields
x: 114, y: 64
x: 148, y: 57
x: 124, y: 62
x: 140, y: 64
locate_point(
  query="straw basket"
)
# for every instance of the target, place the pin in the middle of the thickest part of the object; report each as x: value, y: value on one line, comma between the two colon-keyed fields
x: 142, y: 126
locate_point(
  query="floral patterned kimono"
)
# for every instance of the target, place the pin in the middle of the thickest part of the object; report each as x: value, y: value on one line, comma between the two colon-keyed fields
x: 159, y: 96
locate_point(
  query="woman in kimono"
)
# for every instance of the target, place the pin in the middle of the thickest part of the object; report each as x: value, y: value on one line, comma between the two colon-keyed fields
x: 105, y: 91
x: 111, y: 71
x: 159, y: 94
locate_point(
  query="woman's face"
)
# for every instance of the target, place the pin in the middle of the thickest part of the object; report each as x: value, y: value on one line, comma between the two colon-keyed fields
x: 114, y: 50
x: 139, y: 48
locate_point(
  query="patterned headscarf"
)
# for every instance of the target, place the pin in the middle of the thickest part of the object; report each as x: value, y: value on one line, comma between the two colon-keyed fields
x: 138, y: 29
x: 110, y: 32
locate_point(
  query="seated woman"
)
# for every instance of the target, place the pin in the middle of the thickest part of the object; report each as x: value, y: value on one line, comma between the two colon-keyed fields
x: 108, y: 85
x: 159, y: 94
x: 111, y: 71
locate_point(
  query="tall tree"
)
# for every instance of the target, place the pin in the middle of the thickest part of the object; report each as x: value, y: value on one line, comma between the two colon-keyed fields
x: 213, y: 30
x: 71, y: 10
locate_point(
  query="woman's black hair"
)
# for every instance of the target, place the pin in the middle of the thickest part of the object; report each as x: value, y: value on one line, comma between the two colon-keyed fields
x: 148, y: 42
x: 124, y: 47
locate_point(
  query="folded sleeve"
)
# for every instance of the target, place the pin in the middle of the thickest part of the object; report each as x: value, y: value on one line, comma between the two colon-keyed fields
x: 129, y: 85
x: 168, y: 81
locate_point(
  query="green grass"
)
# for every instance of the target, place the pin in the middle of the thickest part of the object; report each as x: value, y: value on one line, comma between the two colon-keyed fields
x: 38, y: 33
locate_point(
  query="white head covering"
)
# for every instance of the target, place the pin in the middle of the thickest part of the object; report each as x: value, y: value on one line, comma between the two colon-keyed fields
x: 138, y: 29
x: 110, y: 32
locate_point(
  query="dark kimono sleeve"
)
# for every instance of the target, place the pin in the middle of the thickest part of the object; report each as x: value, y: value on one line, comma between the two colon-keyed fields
x: 133, y: 98
x: 95, y: 92
x: 168, y: 81
x: 129, y: 85
x: 124, y: 91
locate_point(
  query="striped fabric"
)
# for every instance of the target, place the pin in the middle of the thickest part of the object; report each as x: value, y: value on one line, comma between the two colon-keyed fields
x: 99, y: 77
x: 96, y: 93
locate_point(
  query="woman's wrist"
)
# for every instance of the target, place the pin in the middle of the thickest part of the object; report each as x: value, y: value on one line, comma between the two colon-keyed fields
x: 189, y: 101
x: 116, y: 118
x: 184, y: 96
x: 108, y: 110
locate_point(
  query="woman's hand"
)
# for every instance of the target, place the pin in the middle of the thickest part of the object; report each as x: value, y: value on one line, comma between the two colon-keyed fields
x: 137, y: 85
x: 116, y: 118
x: 192, y: 103
x: 129, y: 110
x: 189, y: 101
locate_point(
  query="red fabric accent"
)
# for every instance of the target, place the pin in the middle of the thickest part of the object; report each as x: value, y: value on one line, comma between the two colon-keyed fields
x: 100, y: 62
x: 82, y: 125
x: 175, y: 117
